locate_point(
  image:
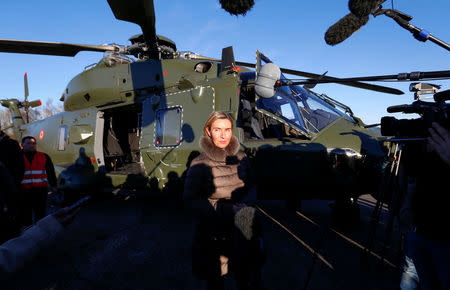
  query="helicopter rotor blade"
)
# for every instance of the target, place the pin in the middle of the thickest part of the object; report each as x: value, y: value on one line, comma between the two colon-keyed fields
x: 25, y: 85
x: 142, y: 13
x: 356, y: 84
x: 50, y: 48
x: 413, y: 76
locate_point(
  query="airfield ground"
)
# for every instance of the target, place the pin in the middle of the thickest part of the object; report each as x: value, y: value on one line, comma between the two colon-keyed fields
x: 144, y: 243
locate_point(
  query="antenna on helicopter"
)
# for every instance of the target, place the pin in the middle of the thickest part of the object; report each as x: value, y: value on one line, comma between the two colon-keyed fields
x: 27, y: 107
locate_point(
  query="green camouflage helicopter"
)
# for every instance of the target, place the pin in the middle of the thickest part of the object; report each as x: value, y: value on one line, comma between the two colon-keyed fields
x: 129, y: 120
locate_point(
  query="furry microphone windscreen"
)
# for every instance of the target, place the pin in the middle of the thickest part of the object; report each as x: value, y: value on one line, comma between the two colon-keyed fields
x: 237, y: 7
x: 345, y: 27
x: 363, y: 8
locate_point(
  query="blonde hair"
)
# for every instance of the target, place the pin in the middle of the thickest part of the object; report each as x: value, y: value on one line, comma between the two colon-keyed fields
x: 217, y: 115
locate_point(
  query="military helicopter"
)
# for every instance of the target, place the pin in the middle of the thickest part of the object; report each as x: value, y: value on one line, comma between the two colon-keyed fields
x: 143, y: 117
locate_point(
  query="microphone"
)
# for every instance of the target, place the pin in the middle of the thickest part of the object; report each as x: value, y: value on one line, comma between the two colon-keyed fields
x: 398, y: 108
x: 345, y: 27
x: 363, y: 8
x: 236, y: 7
x: 442, y: 96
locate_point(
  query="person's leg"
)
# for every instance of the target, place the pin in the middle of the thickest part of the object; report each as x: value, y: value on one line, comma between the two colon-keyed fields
x: 409, y: 279
x: 25, y: 209
x: 215, y: 283
x: 40, y: 204
x: 441, y: 258
x: 249, y: 279
x: 421, y: 255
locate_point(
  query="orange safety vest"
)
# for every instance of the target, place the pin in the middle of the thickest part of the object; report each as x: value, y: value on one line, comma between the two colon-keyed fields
x: 35, y: 175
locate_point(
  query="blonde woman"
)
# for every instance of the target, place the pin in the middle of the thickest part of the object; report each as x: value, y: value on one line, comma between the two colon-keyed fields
x: 227, y: 238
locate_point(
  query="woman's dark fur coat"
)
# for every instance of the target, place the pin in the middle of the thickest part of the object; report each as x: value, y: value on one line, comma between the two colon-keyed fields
x: 215, y: 183
x: 217, y: 174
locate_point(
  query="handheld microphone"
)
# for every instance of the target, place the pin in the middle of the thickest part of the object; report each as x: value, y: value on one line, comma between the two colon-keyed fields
x: 363, y: 8
x: 236, y: 7
x: 345, y: 27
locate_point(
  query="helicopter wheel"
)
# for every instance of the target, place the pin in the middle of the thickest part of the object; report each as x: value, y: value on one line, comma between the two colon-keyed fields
x: 345, y: 213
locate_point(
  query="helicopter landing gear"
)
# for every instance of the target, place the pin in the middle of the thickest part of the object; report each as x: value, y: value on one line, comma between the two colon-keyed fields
x: 293, y: 203
x: 345, y: 213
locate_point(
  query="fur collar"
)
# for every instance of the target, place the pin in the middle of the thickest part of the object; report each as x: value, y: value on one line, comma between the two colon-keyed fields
x: 216, y: 153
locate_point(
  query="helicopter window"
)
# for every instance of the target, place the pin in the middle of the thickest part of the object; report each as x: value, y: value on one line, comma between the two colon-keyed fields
x: 286, y: 111
x: 62, y: 138
x: 317, y: 113
x: 202, y: 67
x: 283, y: 107
x: 168, y: 127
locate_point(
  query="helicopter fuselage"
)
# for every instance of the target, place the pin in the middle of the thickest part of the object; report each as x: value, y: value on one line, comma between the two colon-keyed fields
x: 139, y: 124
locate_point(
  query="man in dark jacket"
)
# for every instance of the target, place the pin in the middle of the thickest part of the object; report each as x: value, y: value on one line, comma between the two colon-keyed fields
x: 39, y: 173
x: 10, y: 155
x: 10, y: 177
x: 429, y: 242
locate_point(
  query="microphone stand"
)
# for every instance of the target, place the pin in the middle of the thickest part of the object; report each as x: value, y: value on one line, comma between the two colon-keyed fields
x: 403, y: 20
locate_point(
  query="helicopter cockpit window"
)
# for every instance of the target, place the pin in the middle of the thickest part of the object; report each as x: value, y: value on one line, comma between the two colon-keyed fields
x: 62, y: 138
x: 282, y: 106
x: 168, y: 127
x: 316, y: 112
x: 298, y: 106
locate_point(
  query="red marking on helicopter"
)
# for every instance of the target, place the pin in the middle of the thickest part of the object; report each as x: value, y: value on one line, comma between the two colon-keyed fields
x: 41, y: 134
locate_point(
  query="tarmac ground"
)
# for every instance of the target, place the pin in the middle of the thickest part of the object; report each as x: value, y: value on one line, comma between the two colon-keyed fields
x: 145, y: 243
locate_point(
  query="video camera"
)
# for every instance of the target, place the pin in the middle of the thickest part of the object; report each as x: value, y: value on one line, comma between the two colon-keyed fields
x: 437, y: 111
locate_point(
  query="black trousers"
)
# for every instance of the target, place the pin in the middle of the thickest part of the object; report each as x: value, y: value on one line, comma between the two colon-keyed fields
x: 33, y: 201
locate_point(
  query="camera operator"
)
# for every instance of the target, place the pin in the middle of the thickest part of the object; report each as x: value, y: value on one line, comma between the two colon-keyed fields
x: 429, y: 242
x: 440, y: 142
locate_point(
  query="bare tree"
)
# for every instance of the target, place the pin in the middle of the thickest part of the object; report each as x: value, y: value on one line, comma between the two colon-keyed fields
x: 44, y: 111
x: 50, y: 109
x: 35, y: 114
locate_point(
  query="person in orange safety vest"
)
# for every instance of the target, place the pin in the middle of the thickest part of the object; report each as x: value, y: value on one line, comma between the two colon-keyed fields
x: 39, y: 174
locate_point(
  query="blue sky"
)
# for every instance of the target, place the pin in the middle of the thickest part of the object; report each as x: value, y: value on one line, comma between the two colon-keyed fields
x: 290, y: 32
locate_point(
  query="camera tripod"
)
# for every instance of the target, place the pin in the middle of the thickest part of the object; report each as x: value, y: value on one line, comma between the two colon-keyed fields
x: 391, y: 186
